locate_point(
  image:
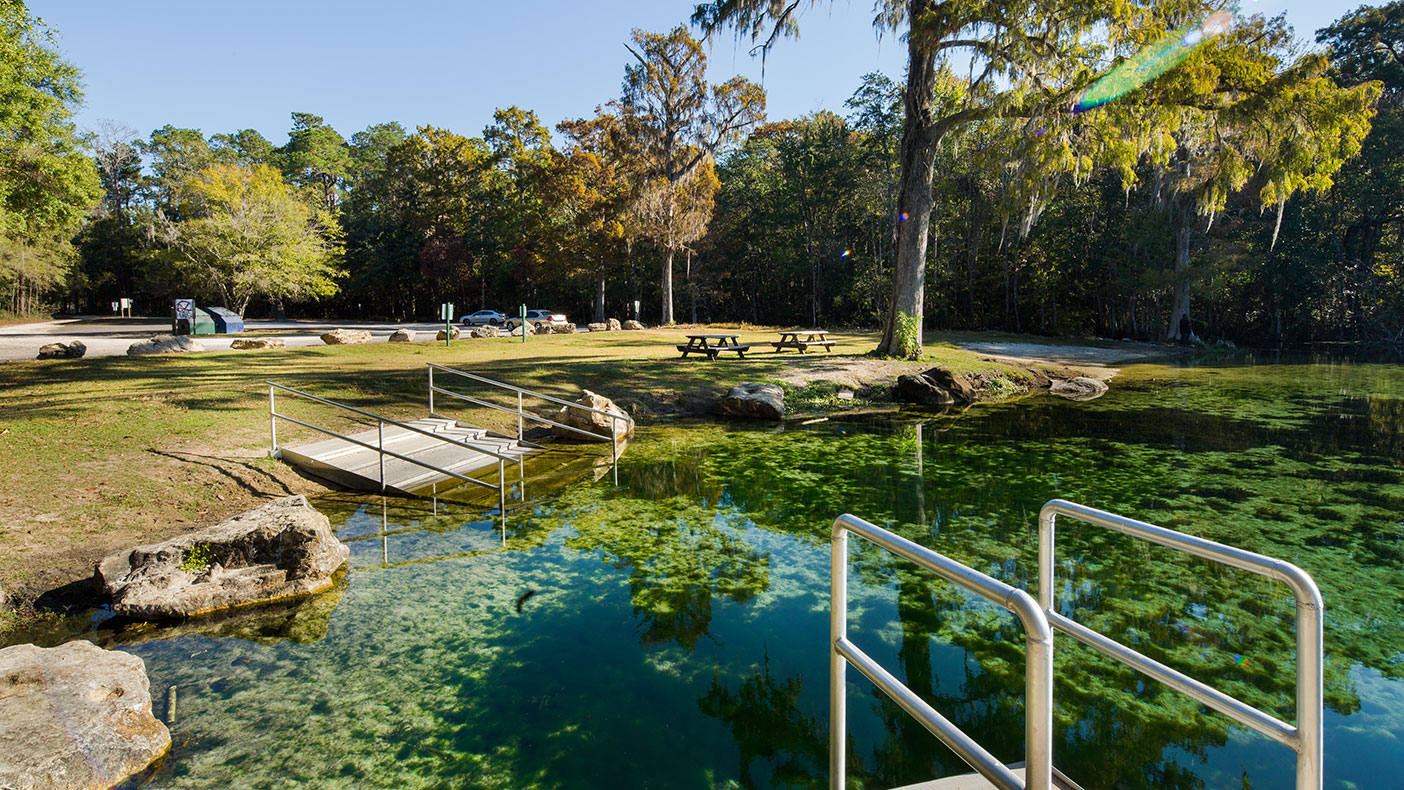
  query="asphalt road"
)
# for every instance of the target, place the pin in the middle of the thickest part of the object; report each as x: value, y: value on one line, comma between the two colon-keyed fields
x: 107, y: 337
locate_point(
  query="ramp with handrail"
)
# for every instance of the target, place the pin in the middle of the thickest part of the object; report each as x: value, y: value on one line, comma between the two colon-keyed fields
x: 523, y: 416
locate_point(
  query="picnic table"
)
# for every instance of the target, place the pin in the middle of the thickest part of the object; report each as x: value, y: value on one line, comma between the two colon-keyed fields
x: 812, y: 337
x: 713, y: 345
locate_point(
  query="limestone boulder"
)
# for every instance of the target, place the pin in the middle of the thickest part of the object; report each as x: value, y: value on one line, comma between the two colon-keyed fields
x: 346, y: 337
x: 938, y: 387
x: 633, y: 325
x: 562, y: 329
x: 77, y: 717
x: 1079, y: 388
x: 922, y: 391
x: 484, y: 331
x: 281, y: 549
x: 164, y: 344
x: 73, y: 350
x: 401, y: 336
x: 597, y: 424
x: 598, y: 327
x: 253, y: 343
x: 960, y: 387
x: 526, y: 329
x: 614, y: 325
x: 757, y: 401
x: 451, y: 334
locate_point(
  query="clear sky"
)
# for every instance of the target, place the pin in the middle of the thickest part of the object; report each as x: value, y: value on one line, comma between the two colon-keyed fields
x: 220, y: 65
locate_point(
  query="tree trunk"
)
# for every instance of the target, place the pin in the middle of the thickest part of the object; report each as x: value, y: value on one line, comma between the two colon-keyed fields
x: 920, y: 138
x: 1182, y: 278
x: 691, y: 287
x: 667, y: 317
x: 599, y: 299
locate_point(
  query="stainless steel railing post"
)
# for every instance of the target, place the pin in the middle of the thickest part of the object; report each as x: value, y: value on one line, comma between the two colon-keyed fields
x: 502, y: 491
x: 838, y: 684
x: 272, y: 424
x: 520, y: 433
x: 431, y: 391
x: 380, y: 451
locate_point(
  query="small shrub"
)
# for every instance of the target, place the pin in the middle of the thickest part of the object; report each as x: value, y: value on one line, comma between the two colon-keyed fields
x: 197, y: 558
x: 1002, y: 387
x: 907, y: 336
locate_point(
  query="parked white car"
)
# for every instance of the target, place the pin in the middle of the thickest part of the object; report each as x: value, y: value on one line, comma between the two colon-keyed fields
x: 539, y: 319
x: 489, y: 317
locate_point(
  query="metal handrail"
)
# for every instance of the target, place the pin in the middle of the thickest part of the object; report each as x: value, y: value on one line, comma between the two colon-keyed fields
x: 521, y: 413
x: 1038, y: 680
x: 1306, y: 737
x: 397, y: 423
x: 379, y: 447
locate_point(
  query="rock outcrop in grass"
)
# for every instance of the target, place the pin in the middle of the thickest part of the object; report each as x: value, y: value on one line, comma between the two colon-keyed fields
x: 278, y: 550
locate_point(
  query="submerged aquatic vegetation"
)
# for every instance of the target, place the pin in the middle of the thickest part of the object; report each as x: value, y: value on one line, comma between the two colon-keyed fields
x: 679, y: 621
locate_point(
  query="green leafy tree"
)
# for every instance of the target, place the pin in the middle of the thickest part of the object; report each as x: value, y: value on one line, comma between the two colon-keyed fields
x: 47, y: 182
x: 678, y: 124
x: 246, y: 235
x: 246, y: 148
x: 315, y: 157
x: 175, y: 155
x: 595, y: 170
x: 1026, y: 58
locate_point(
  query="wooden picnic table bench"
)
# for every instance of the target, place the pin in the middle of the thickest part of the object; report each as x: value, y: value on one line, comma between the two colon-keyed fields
x: 812, y: 337
x: 724, y: 344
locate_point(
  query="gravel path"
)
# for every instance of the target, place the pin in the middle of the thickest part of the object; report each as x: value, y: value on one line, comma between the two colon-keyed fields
x: 111, y: 338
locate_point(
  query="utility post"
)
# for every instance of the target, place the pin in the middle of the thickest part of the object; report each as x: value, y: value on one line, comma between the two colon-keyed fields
x: 446, y: 312
x: 524, y: 332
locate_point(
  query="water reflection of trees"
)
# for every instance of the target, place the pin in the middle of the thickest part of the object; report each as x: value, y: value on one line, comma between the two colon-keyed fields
x: 679, y: 554
x: 971, y: 490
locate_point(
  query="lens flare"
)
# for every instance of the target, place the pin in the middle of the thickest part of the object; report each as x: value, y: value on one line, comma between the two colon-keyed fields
x: 902, y: 217
x: 844, y: 254
x: 1156, y: 59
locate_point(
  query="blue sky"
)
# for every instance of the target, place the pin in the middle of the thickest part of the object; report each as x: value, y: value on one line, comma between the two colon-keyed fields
x: 219, y: 66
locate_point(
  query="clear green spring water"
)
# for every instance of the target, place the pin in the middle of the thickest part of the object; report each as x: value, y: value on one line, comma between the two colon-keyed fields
x: 675, y: 632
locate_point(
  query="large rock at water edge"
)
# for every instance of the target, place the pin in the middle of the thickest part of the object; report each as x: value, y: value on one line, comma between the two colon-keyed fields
x: 72, y: 350
x: 938, y: 387
x: 251, y: 343
x: 761, y: 401
x: 633, y: 325
x: 401, y: 336
x: 346, y: 337
x: 277, y: 550
x: 76, y: 716
x: 597, y: 424
x: 1079, y: 388
x: 164, y: 344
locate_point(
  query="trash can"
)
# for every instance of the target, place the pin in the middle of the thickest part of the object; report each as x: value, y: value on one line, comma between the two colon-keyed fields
x: 227, y: 322
x: 204, y: 324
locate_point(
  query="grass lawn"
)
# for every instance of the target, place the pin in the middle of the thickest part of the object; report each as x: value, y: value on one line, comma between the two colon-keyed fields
x: 108, y: 452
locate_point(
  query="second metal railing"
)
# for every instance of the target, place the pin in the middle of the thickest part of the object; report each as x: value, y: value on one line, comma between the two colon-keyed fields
x: 1306, y: 737
x: 522, y: 414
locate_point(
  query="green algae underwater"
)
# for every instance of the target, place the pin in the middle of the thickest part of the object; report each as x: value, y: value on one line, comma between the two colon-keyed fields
x: 672, y: 631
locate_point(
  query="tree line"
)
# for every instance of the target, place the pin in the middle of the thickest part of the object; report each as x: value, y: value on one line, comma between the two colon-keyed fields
x: 1252, y: 188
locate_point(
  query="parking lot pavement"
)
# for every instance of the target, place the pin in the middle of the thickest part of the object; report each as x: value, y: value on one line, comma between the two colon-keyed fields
x: 107, y: 337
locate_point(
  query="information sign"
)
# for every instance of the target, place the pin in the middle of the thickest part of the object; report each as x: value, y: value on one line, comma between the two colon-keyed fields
x: 185, y: 308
